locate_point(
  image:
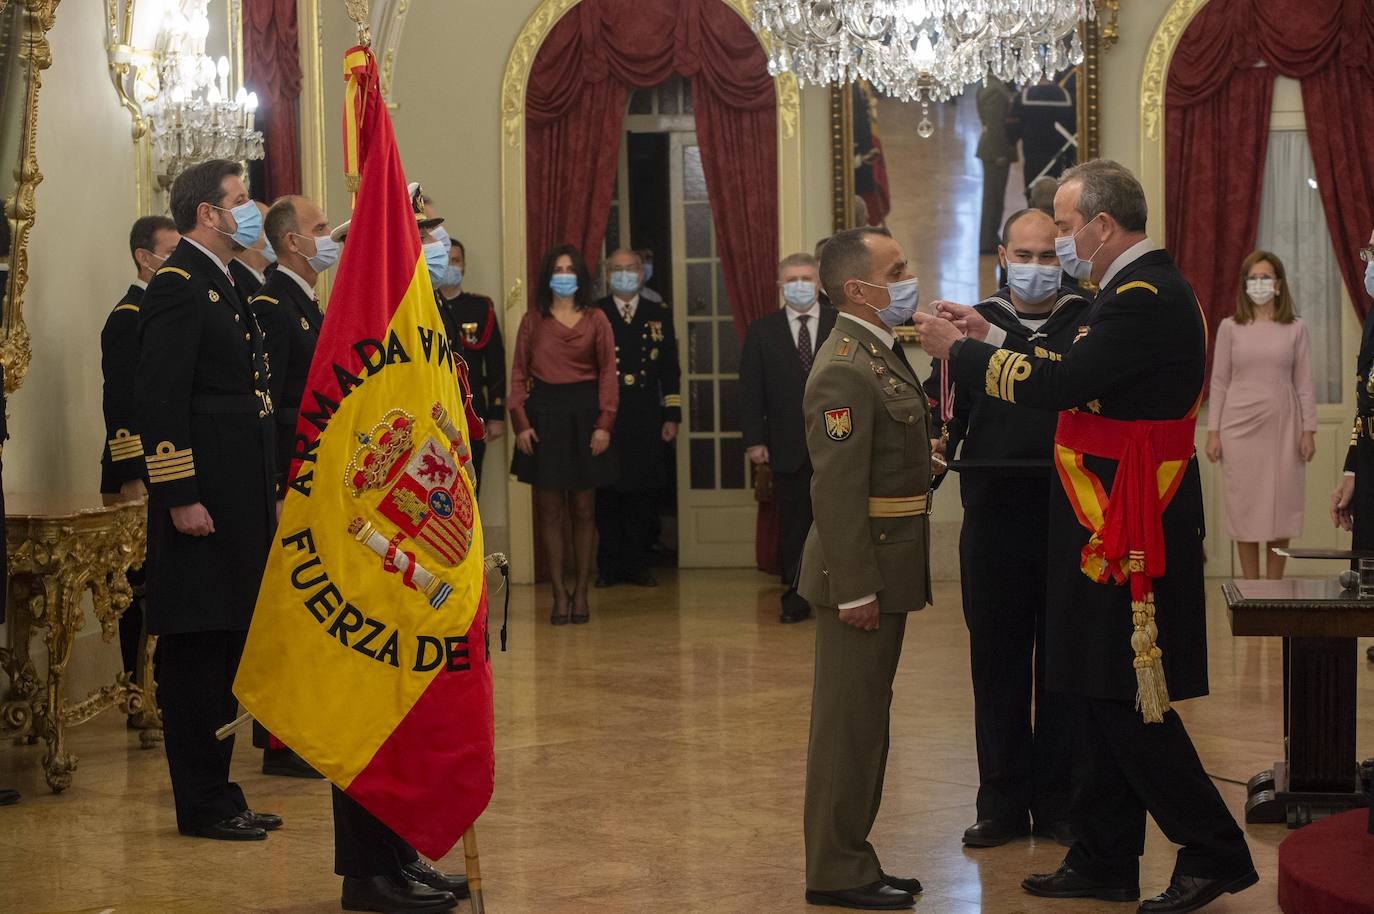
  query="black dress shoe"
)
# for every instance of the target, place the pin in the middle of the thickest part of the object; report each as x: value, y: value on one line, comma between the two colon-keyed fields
x: 910, y: 886
x: 420, y: 871
x: 605, y: 580
x: 8, y: 797
x: 286, y: 764
x: 792, y: 617
x: 394, y: 894
x: 1060, y: 832
x: 1067, y: 882
x: 238, y: 828
x: 1188, y: 893
x: 264, y: 820
x: 642, y: 579
x: 991, y: 833
x: 879, y: 896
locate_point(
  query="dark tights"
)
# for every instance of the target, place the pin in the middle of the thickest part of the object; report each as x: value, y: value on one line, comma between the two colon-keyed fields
x: 555, y: 507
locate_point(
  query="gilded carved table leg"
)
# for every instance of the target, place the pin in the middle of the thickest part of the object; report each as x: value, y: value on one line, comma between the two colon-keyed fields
x: 64, y: 619
x: 149, y: 719
x: 16, y: 712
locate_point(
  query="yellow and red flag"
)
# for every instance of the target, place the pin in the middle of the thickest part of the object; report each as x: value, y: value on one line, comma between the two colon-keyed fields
x: 368, y: 650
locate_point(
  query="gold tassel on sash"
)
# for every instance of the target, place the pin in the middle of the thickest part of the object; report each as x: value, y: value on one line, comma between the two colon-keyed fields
x: 1151, y: 691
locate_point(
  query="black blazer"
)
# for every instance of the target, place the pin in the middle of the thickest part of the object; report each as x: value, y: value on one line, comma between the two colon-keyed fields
x: 290, y: 321
x: 122, y: 457
x: 771, y: 385
x: 202, y: 407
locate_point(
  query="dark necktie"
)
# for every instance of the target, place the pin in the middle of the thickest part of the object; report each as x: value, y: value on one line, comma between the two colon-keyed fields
x: 901, y: 356
x: 804, y: 351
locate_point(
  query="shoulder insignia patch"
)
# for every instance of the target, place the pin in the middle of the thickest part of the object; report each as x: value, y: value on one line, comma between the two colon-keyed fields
x: 214, y: 296
x: 839, y: 424
x: 126, y: 307
x: 1138, y: 284
x: 177, y: 270
x: 845, y: 348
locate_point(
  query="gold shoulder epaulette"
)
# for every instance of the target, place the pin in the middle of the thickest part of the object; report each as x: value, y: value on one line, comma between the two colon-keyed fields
x: 267, y: 298
x: 177, y: 270
x: 844, y: 350
x: 126, y: 306
x: 1138, y: 284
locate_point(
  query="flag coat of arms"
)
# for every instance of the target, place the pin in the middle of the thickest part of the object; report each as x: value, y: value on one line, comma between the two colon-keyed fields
x: 368, y: 652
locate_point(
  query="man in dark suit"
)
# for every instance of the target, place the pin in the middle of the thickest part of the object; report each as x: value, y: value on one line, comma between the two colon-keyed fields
x: 205, y: 416
x: 470, y: 322
x: 122, y: 470
x: 778, y: 352
x: 645, y: 425
x: 1126, y: 626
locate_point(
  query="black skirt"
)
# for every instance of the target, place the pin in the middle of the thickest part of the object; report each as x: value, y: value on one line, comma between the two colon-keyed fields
x: 563, y: 416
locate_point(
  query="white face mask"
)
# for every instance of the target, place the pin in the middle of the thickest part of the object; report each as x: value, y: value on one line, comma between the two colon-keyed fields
x: 1261, y: 290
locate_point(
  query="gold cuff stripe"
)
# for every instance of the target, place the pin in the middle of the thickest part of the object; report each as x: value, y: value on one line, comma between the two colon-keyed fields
x: 1010, y: 368
x: 125, y: 452
x: 186, y: 461
x: 177, y: 270
x: 1042, y: 353
x: 908, y: 506
x: 267, y: 298
x: 673, y: 400
x: 172, y: 476
x: 1138, y: 284
x: 126, y: 307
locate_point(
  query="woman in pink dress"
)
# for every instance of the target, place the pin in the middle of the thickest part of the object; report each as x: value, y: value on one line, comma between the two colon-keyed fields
x: 1262, y: 419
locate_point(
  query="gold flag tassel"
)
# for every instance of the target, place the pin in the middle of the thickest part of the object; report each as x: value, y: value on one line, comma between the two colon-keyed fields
x: 1151, y: 691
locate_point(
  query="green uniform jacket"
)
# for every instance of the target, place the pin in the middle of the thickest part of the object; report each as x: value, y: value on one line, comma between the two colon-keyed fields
x: 868, y: 433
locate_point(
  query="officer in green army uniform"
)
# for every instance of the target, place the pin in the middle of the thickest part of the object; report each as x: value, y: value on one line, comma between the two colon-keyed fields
x: 867, y: 559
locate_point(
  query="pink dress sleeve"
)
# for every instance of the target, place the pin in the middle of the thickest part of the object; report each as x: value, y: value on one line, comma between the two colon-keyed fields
x: 1302, y: 378
x: 520, y: 375
x: 608, y: 386
x: 1221, y: 375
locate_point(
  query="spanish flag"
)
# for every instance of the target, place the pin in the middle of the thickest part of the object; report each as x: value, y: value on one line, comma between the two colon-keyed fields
x: 368, y: 650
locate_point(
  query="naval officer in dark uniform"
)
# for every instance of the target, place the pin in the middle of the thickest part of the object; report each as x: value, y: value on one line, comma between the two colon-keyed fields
x: 1024, y: 757
x: 205, y: 417
x: 122, y: 470
x: 1128, y: 388
x: 645, y: 425
x: 470, y: 322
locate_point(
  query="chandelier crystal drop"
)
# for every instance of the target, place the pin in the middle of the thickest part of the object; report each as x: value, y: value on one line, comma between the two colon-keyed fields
x: 921, y: 50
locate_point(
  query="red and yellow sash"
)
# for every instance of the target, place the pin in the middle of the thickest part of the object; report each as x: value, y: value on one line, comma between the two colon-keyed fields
x: 1127, y: 527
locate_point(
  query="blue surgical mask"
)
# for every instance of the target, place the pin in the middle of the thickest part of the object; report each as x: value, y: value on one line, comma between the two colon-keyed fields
x: 326, y: 252
x: 648, y: 272
x: 247, y: 223
x: 453, y: 276
x: 268, y: 252
x: 441, y: 235
x: 1369, y: 278
x: 625, y: 282
x: 564, y: 285
x: 799, y: 294
x: 904, y: 296
x: 1032, y: 282
x: 1066, y: 247
x: 436, y: 259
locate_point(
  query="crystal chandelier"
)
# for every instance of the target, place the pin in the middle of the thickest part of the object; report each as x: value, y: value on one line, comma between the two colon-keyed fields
x: 921, y: 50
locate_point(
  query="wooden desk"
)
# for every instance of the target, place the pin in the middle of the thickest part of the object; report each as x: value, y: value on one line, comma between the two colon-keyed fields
x: 1319, y: 622
x: 61, y: 546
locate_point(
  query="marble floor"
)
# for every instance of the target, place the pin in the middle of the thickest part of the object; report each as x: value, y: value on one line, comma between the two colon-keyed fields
x: 651, y: 761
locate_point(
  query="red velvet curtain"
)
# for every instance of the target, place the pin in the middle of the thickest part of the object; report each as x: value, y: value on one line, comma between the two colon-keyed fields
x: 1217, y: 132
x: 272, y: 68
x: 575, y: 110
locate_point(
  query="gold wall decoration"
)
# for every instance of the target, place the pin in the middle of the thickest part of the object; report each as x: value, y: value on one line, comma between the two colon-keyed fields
x: 513, y: 266
x: 35, y: 56
x: 1153, y: 81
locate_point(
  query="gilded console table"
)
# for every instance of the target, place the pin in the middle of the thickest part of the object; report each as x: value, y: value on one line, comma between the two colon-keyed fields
x: 61, y: 546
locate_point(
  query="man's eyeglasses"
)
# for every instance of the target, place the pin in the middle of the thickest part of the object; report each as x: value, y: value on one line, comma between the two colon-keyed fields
x: 1367, y: 253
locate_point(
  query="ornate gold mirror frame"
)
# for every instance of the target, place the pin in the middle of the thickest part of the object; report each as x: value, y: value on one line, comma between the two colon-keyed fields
x: 513, y: 266
x: 1098, y: 35
x: 35, y: 56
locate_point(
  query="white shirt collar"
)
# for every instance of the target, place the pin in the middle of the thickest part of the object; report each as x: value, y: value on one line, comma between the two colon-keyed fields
x: 1128, y: 257
x: 208, y: 253
x: 882, y: 333
x: 621, y: 304
x: 260, y: 277
x: 308, y: 289
x: 812, y: 312
x: 141, y: 284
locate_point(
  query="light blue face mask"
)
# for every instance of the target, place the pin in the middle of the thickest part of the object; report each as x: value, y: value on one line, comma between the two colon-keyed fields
x: 453, y: 276
x: 1369, y: 278
x: 564, y: 285
x: 247, y: 223
x: 625, y: 282
x: 268, y: 252
x: 904, y: 297
x: 326, y: 252
x: 799, y: 294
x: 1066, y: 246
x: 648, y: 272
x: 1032, y: 282
x: 441, y: 235
x: 436, y: 259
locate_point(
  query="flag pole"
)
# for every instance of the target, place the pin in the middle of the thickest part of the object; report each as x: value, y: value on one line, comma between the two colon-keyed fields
x: 234, y: 726
x: 474, y: 869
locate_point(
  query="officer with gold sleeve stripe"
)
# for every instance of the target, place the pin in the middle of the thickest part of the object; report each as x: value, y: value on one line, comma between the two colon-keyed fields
x: 866, y: 563
x: 207, y: 425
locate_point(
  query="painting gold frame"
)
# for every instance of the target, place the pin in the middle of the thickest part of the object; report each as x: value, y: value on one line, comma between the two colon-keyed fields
x: 513, y: 262
x: 16, y: 347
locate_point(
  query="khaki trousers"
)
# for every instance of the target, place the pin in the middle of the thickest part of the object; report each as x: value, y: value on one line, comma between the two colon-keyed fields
x: 850, y: 705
